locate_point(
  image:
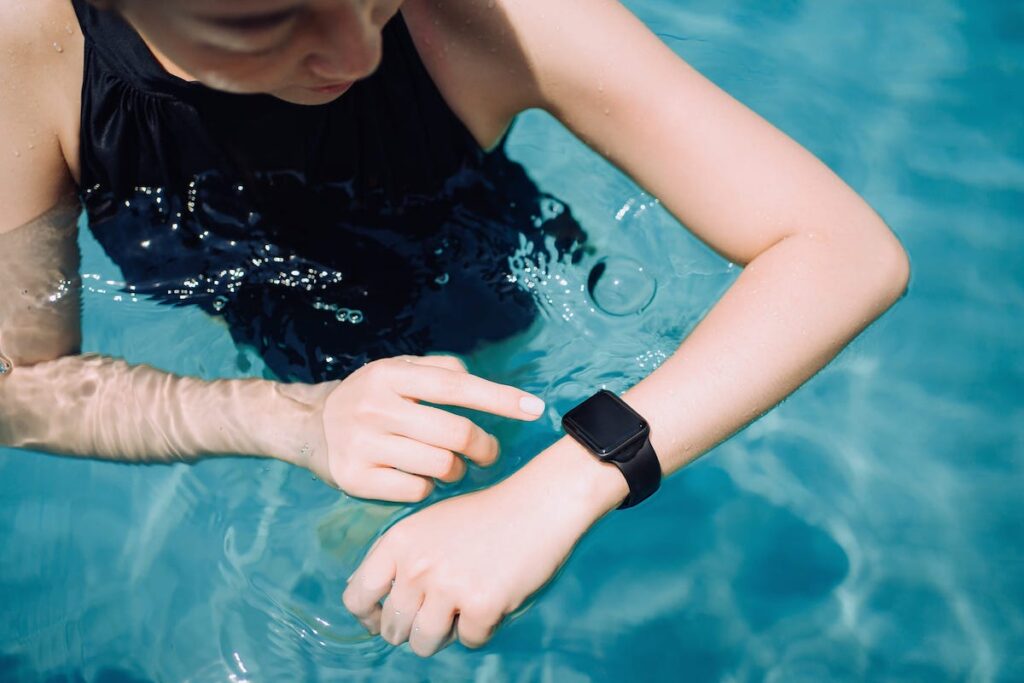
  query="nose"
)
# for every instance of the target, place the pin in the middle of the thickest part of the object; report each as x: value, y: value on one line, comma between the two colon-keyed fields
x: 348, y: 45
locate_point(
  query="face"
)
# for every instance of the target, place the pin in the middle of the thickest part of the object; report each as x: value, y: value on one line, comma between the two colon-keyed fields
x: 301, y: 51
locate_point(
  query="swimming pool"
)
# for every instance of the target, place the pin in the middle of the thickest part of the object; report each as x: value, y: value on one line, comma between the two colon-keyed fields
x: 869, y: 528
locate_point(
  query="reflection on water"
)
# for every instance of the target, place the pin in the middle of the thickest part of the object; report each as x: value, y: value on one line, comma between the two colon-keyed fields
x: 867, y: 529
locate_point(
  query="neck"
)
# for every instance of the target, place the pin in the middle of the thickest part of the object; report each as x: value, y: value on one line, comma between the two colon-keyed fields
x: 162, y: 59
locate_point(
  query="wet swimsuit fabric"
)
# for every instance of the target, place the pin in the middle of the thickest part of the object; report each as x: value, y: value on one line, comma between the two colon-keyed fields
x: 325, y: 236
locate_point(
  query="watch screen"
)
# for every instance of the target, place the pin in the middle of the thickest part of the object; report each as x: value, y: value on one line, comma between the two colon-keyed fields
x: 604, y: 421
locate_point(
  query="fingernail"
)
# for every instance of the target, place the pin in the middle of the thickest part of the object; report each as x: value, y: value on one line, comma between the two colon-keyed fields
x: 531, y: 405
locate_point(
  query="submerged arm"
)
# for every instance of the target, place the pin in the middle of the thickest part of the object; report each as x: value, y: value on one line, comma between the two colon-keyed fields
x: 366, y: 434
x: 53, y: 399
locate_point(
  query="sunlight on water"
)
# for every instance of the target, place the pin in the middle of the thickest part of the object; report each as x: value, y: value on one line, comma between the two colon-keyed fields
x: 867, y: 529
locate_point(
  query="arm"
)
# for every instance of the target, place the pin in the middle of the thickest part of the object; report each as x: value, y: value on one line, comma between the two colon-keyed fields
x: 820, y: 266
x: 51, y: 398
x: 366, y: 434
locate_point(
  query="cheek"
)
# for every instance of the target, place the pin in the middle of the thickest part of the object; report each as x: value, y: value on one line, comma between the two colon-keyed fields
x: 227, y: 70
x: 245, y: 75
x: 240, y: 73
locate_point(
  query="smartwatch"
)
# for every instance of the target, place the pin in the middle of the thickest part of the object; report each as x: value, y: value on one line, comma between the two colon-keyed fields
x: 614, y: 432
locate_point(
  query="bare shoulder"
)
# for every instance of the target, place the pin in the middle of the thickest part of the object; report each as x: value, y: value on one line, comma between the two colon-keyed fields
x: 40, y: 82
x: 475, y: 56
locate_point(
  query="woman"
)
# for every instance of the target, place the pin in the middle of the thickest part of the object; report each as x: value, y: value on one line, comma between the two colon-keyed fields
x: 166, y: 109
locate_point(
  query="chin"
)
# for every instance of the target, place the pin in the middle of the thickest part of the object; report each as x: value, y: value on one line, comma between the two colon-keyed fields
x: 305, y: 96
x: 292, y: 94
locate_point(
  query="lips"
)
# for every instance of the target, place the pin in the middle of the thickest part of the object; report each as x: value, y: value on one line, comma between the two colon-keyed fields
x: 333, y: 89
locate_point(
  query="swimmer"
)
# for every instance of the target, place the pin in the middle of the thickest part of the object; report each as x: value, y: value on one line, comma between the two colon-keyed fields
x: 263, y: 159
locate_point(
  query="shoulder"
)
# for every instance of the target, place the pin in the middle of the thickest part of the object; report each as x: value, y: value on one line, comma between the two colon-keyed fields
x: 30, y: 30
x: 494, y: 58
x: 40, y: 83
x: 472, y: 53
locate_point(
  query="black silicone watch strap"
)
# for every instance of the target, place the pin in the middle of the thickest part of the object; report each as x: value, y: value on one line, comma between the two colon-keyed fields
x: 642, y: 473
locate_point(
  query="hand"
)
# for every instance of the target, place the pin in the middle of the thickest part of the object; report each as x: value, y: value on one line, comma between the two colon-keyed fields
x: 381, y: 443
x: 456, y: 568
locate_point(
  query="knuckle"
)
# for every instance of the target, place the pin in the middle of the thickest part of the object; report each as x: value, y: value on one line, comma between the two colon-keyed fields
x: 473, y: 638
x: 453, y: 383
x: 348, y: 599
x: 443, y: 463
x: 368, y: 410
x: 346, y: 477
x: 482, y: 608
x: 458, y: 470
x: 418, y: 569
x: 492, y: 449
x: 474, y: 607
x: 397, y: 535
x: 449, y: 585
x: 423, y: 489
x: 457, y: 363
x: 462, y: 434
x: 370, y: 370
x: 381, y: 370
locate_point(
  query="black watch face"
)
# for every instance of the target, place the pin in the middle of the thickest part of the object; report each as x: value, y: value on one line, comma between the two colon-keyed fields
x: 604, y: 423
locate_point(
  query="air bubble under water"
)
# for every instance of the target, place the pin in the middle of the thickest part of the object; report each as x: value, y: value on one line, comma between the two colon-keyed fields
x: 620, y: 285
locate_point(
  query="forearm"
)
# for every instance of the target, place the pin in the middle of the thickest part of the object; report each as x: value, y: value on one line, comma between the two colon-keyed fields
x: 101, y: 407
x: 791, y: 310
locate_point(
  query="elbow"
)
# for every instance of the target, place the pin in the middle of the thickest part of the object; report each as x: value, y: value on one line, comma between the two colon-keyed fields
x: 884, y: 268
x: 894, y: 269
x: 877, y: 264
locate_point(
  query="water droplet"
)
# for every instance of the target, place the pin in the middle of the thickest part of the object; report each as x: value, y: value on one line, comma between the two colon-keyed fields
x: 441, y: 279
x: 219, y: 303
x: 607, y: 111
x: 620, y: 285
x: 58, y: 47
x: 551, y: 208
x: 67, y: 29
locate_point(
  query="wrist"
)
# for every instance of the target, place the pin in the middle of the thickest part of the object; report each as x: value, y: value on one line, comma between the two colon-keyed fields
x: 583, y: 487
x: 289, y: 422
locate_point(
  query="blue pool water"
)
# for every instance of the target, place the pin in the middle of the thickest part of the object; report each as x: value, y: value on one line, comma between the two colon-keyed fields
x: 869, y: 528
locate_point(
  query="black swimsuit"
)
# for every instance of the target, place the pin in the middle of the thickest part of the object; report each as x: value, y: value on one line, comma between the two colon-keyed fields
x: 325, y: 236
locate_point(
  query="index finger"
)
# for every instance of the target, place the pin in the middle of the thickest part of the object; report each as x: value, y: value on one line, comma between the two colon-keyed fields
x: 447, y: 387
